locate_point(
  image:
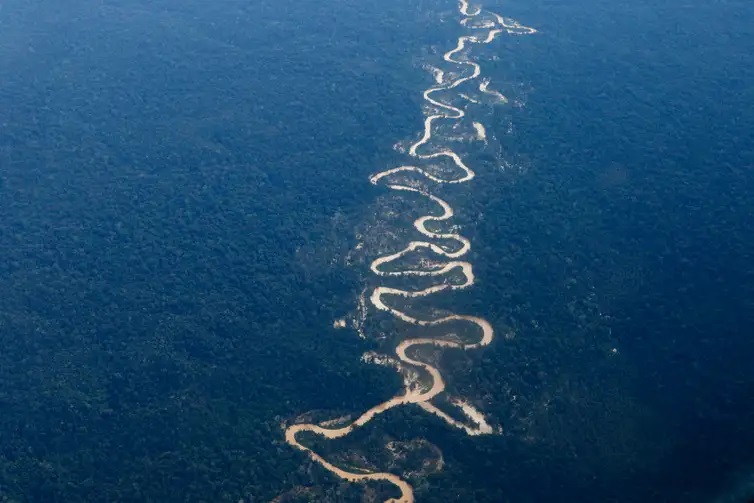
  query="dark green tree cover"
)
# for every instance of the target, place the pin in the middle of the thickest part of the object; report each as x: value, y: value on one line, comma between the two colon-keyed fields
x: 628, y: 229
x: 171, y: 178
x: 176, y: 179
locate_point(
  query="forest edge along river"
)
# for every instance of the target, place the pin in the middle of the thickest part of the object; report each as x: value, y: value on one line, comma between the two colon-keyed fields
x: 415, y: 393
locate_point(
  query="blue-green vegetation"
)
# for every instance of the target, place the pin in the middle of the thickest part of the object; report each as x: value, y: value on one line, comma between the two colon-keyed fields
x: 179, y: 184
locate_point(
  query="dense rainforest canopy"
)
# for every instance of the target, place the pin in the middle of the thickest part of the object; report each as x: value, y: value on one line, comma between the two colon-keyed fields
x: 181, y: 184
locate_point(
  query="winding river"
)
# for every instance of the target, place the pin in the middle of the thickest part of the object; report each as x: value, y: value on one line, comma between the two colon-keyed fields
x: 488, y: 26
